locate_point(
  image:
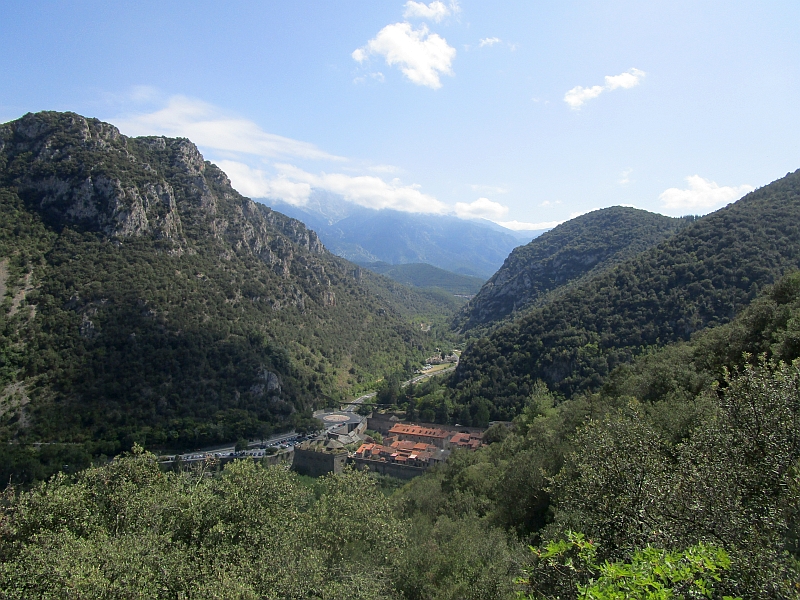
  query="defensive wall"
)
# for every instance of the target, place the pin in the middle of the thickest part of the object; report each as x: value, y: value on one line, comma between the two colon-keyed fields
x: 316, y: 463
x: 217, y: 462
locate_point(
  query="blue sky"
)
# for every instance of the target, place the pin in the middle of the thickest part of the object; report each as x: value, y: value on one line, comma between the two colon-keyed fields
x: 526, y: 113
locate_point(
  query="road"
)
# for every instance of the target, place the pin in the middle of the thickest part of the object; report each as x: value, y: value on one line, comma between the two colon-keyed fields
x: 426, y: 375
x: 353, y: 406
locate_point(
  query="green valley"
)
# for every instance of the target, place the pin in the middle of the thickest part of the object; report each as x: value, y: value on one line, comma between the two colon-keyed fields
x: 147, y: 301
x: 629, y: 393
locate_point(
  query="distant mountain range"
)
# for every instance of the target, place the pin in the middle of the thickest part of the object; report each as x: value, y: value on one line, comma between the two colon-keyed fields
x: 477, y: 248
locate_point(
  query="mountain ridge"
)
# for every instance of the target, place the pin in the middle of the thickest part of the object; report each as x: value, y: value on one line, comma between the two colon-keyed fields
x: 365, y: 235
x: 578, y: 248
x: 146, y: 300
x: 700, y: 277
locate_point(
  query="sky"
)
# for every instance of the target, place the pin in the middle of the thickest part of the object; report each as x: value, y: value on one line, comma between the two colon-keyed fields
x: 526, y: 112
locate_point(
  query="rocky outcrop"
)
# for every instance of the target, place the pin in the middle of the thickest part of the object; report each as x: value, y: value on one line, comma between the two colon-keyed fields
x: 84, y: 173
x: 51, y: 159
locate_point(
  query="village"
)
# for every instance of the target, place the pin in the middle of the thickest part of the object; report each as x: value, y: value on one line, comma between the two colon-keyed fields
x: 381, y: 442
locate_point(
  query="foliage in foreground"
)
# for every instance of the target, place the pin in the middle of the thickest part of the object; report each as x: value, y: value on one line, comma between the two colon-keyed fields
x: 697, y: 443
x: 128, y: 530
x: 571, y: 564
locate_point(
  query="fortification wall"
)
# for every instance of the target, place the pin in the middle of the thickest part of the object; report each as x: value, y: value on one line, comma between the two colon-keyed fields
x: 316, y: 464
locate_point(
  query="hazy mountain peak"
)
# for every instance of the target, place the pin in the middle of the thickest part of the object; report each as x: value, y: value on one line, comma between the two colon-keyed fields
x: 467, y: 247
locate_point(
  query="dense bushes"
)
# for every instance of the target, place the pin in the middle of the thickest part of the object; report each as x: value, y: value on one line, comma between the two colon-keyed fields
x: 128, y: 530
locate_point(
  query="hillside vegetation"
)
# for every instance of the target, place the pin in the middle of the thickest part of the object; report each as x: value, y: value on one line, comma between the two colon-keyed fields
x: 573, y: 251
x: 691, y: 491
x: 700, y: 277
x: 698, y: 441
x: 422, y: 275
x: 146, y: 300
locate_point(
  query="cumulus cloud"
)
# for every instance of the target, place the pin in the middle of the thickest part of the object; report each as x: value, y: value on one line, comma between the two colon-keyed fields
x: 482, y: 208
x: 579, y: 95
x: 293, y: 185
x: 422, y: 56
x: 488, y: 42
x: 701, y: 195
x: 522, y: 226
x: 255, y: 183
x: 625, y: 80
x: 625, y: 179
x: 435, y: 11
x: 210, y: 127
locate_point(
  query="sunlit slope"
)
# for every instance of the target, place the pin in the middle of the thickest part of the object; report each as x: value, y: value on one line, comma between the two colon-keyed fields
x: 582, y: 247
x: 701, y: 277
x: 145, y: 299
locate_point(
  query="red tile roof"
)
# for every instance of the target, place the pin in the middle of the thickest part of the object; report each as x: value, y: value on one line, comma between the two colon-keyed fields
x: 400, y: 429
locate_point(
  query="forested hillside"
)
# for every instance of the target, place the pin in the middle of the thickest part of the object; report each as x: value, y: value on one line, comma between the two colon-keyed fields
x: 695, y: 442
x: 580, y: 248
x: 427, y: 276
x: 701, y: 277
x: 678, y: 477
x: 143, y: 299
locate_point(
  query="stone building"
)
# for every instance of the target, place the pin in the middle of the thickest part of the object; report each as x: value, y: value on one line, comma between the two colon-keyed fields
x: 319, y: 458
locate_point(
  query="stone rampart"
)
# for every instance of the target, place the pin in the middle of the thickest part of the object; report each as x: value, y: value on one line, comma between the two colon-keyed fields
x: 316, y: 463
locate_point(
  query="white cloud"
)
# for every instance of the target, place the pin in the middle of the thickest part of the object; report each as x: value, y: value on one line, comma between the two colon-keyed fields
x: 522, y: 226
x: 702, y: 195
x: 209, y: 127
x: 255, y: 183
x: 625, y: 178
x: 625, y: 80
x: 435, y: 11
x: 293, y: 185
x: 422, y: 56
x: 488, y: 42
x: 579, y: 95
x: 246, y: 153
x: 482, y: 208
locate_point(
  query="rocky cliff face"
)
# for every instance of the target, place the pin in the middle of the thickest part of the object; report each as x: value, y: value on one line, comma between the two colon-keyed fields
x: 141, y: 295
x: 83, y: 172
x: 578, y: 248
